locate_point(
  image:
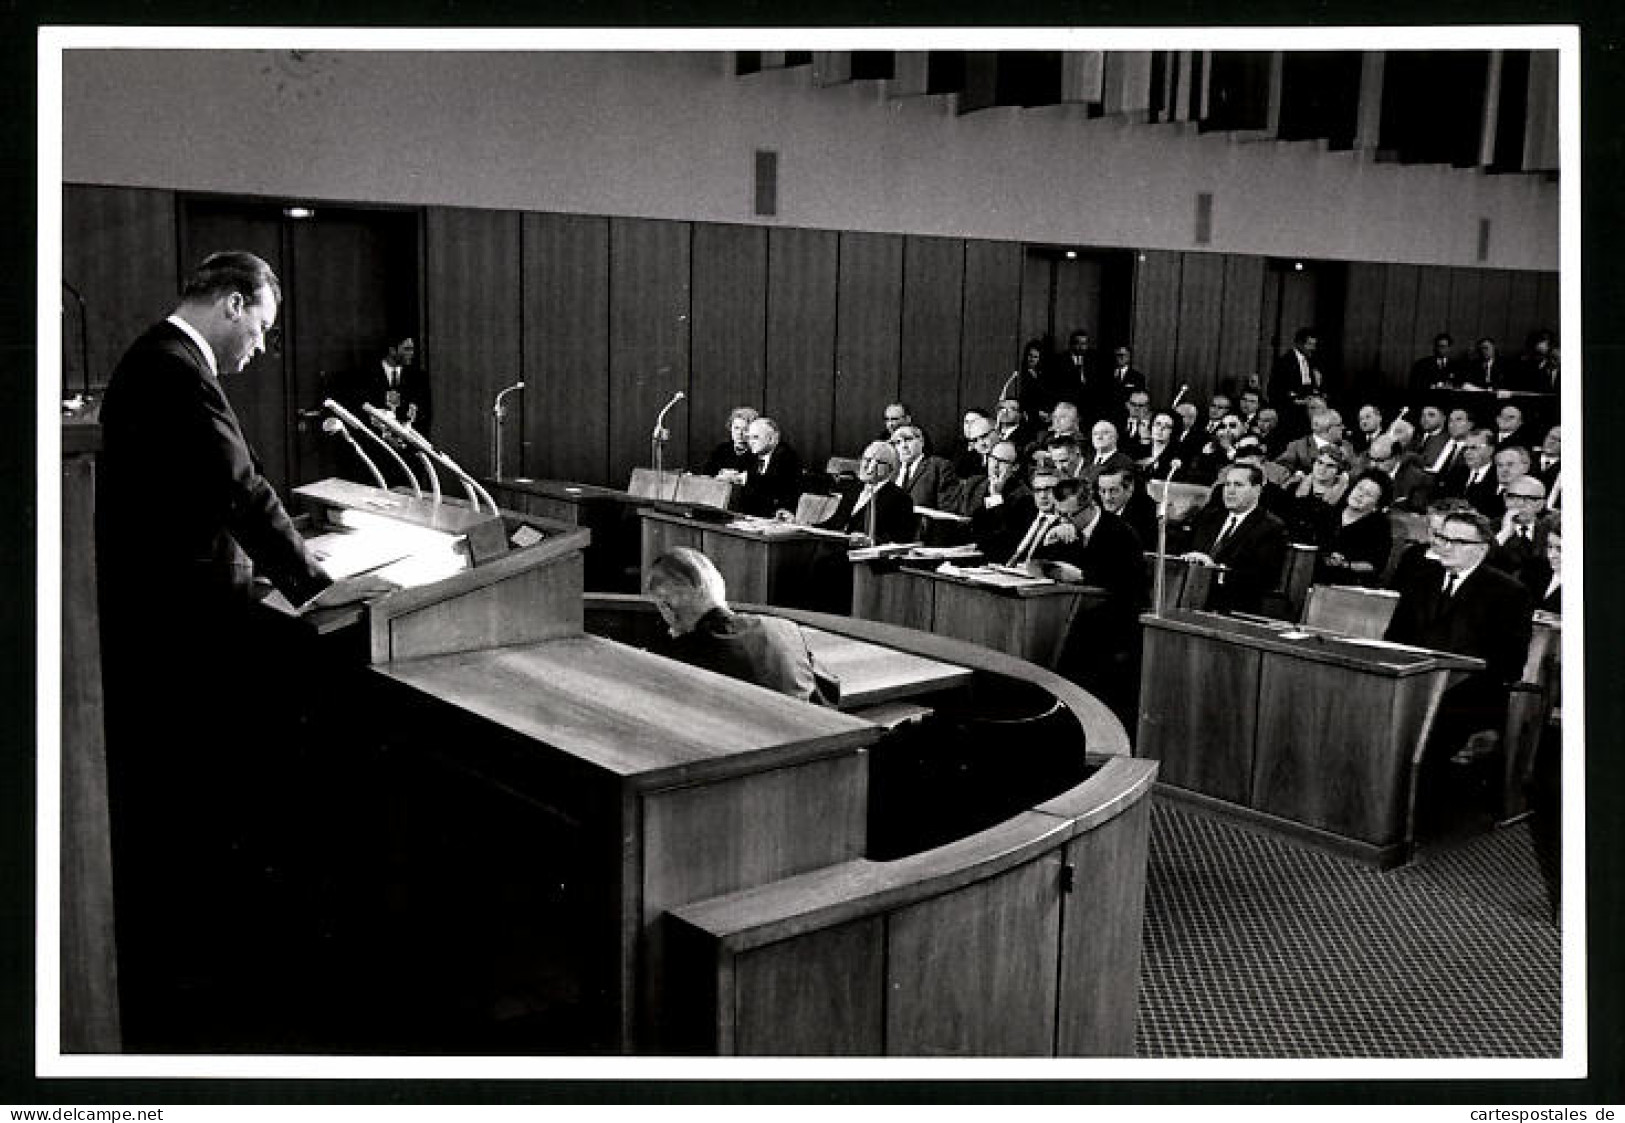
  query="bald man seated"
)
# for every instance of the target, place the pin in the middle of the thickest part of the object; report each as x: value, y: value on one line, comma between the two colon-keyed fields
x: 872, y: 508
x: 704, y: 632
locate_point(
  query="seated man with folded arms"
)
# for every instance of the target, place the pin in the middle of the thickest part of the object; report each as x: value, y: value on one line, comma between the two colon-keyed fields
x: 979, y: 434
x: 1521, y: 536
x: 731, y: 459
x: 1243, y: 537
x: 703, y: 631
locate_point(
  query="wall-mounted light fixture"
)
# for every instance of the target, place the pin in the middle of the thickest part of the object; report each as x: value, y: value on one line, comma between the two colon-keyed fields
x: 298, y: 212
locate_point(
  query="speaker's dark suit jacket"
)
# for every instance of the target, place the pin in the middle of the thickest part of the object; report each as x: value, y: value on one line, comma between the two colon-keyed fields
x: 778, y: 488
x: 183, y: 514
x: 893, y: 514
x: 1255, y: 556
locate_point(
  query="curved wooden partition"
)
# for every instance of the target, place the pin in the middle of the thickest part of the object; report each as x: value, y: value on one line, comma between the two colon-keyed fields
x: 1020, y: 939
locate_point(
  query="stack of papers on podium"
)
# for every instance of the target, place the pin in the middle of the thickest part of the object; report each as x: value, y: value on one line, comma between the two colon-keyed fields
x: 885, y: 550
x: 942, y: 516
x: 1000, y: 576
x: 937, y: 553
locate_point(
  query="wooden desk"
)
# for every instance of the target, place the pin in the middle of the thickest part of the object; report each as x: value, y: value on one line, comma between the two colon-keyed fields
x: 647, y: 783
x: 870, y: 673
x: 1316, y: 736
x: 611, y: 558
x: 770, y: 567
x: 1030, y: 621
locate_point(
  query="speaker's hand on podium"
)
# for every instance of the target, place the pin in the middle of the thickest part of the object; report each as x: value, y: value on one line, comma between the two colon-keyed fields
x: 351, y: 590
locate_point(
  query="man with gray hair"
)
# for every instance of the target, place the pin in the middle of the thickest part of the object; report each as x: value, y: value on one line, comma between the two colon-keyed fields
x: 773, y: 474
x: 704, y: 632
x: 873, y: 509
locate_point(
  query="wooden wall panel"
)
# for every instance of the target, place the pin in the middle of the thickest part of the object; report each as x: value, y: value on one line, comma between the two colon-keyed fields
x: 471, y: 334
x: 1523, y: 300
x: 565, y: 404
x: 1038, y: 302
x: 1433, y: 311
x: 1507, y: 324
x: 1399, y: 346
x: 1548, y: 306
x: 933, y: 292
x: 1201, y: 312
x: 990, y: 345
x: 648, y: 340
x: 1079, y: 282
x: 868, y: 325
x: 728, y: 328
x: 1238, y: 331
x: 121, y: 254
x: 1362, y: 327
x: 1466, y: 305
x: 1156, y: 322
x: 801, y: 285
x: 819, y: 995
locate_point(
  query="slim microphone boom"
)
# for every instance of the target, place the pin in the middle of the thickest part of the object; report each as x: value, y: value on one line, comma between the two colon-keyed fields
x: 1178, y: 396
x: 1162, y: 539
x: 334, y: 426
x: 421, y: 443
x: 355, y: 422
x: 660, y: 422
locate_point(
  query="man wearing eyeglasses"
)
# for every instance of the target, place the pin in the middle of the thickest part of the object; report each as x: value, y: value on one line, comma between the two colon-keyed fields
x: 872, y: 509
x: 1000, y: 504
x: 1473, y: 478
x: 1470, y: 608
x: 1521, y: 537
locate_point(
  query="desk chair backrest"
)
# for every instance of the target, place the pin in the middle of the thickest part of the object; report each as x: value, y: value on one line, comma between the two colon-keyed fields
x: 812, y: 509
x: 646, y: 483
x: 707, y: 490
x: 1184, y: 500
x: 1351, y: 610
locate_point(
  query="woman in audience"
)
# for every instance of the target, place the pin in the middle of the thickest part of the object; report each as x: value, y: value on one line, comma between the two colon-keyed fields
x: 1543, y: 577
x: 1164, y: 446
x: 1357, y: 551
x: 1312, y: 504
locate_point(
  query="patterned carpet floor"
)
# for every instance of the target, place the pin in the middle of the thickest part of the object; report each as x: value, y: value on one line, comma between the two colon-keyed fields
x: 1256, y: 946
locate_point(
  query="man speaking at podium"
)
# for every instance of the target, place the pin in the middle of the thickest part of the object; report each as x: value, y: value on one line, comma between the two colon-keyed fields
x: 185, y: 523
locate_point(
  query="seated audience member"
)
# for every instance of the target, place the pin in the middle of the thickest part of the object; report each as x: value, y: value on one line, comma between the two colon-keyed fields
x: 1548, y: 465
x: 1216, y: 453
x: 892, y: 418
x: 1121, y: 494
x: 766, y: 650
x: 1521, y: 536
x: 1248, y: 402
x: 731, y: 459
x: 1244, y: 538
x: 1473, y: 609
x: 1275, y: 499
x: 1413, y: 487
x: 1473, y: 478
x: 1361, y: 539
x: 773, y: 477
x: 1486, y: 370
x: 872, y: 508
x: 1543, y: 576
x: 928, y: 481
x: 1012, y: 424
x: 1421, y: 555
x: 1063, y: 423
x: 999, y: 504
x: 1136, y: 433
x: 1313, y: 501
x: 1103, y: 436
x: 971, y: 459
x: 1219, y: 407
x: 1447, y: 460
x: 1063, y: 456
x: 1367, y: 425
x: 1163, y: 448
x: 1430, y: 436
x: 1045, y: 515
x: 1436, y: 371
x: 1094, y: 547
x: 1325, y: 430
x: 1192, y: 435
x: 1510, y: 428
x: 1267, y: 428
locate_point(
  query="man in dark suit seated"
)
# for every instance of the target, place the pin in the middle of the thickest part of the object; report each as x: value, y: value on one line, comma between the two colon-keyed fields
x: 693, y: 600
x: 928, y: 481
x: 1413, y: 487
x: 1091, y: 546
x: 978, y: 433
x: 1244, y: 538
x: 1106, y: 456
x: 1473, y: 478
x: 730, y: 460
x: 773, y: 478
x: 1433, y: 372
x: 1122, y: 494
x: 1521, y: 537
x: 1012, y: 424
x: 872, y: 508
x: 1000, y: 505
x: 1469, y: 608
x: 393, y: 384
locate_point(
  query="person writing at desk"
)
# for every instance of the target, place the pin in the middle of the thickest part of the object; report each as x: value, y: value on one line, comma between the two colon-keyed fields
x: 704, y: 632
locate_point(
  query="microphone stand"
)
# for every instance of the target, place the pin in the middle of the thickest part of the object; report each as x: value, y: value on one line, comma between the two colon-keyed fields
x: 1161, y: 578
x: 334, y: 425
x: 657, y: 444
x: 434, y: 478
x: 418, y: 441
x: 498, y: 415
x: 355, y: 422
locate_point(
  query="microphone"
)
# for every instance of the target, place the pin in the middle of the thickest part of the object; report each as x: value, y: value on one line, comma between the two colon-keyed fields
x: 1004, y: 391
x: 497, y: 415
x: 660, y: 433
x: 333, y: 426
x: 497, y: 407
x: 419, y: 442
x: 1177, y: 396
x: 355, y: 422
x: 434, y: 478
x: 1162, y: 541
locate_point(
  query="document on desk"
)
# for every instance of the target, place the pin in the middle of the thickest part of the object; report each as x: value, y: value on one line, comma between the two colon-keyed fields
x: 942, y: 553
x: 939, y: 515
x: 346, y: 553
x: 884, y: 550
x: 997, y: 576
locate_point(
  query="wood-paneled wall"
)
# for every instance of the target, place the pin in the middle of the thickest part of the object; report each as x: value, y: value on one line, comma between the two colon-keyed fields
x: 605, y: 319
